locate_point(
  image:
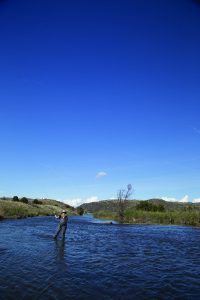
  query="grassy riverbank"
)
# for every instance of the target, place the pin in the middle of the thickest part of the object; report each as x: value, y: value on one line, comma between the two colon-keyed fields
x: 147, y: 217
x: 11, y: 209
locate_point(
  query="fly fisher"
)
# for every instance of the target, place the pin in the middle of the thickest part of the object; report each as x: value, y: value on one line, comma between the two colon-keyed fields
x: 62, y: 225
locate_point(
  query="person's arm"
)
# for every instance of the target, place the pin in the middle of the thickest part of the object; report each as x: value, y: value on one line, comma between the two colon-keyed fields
x: 57, y: 217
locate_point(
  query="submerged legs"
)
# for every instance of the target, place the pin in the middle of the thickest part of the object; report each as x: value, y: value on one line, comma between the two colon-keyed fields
x: 58, y: 231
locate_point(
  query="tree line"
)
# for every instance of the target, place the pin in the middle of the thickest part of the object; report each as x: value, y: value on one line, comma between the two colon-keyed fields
x: 25, y: 200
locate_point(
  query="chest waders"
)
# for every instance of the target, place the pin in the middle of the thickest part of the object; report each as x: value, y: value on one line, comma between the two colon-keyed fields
x: 62, y: 226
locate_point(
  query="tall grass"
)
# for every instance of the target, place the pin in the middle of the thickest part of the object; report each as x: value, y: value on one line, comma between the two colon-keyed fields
x: 105, y: 215
x: 144, y: 217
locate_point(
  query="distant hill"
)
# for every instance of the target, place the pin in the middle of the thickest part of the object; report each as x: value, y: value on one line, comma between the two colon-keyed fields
x: 46, y: 207
x: 110, y: 205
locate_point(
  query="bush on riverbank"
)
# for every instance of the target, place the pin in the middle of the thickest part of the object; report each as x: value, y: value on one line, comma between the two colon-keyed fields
x: 148, y: 217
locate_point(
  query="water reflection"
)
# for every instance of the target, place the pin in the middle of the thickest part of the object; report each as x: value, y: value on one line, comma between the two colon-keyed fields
x: 59, y: 249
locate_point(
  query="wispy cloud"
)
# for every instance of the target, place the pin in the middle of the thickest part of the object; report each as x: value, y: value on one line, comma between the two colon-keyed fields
x: 196, y: 200
x: 184, y: 199
x: 92, y: 199
x: 74, y: 202
x: 196, y: 130
x: 79, y: 201
x: 100, y: 174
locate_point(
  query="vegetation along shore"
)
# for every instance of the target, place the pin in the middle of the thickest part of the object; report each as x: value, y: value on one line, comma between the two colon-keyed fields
x: 153, y: 211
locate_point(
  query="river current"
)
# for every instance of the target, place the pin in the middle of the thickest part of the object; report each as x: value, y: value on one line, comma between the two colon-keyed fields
x: 98, y: 261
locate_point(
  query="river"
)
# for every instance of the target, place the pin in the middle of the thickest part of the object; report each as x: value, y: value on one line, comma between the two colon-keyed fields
x: 98, y: 261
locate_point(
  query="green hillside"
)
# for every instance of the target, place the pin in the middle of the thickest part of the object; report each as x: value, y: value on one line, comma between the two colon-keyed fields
x: 110, y: 205
x: 11, y: 209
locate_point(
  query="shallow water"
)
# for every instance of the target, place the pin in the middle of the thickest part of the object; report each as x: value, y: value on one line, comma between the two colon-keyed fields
x: 98, y: 261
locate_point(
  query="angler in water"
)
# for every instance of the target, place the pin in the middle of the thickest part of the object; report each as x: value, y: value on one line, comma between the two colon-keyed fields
x: 62, y: 225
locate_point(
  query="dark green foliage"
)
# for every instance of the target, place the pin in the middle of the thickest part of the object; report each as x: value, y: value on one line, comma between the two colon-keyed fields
x: 145, y: 205
x: 35, y: 201
x: 3, y: 198
x: 154, y: 207
x: 148, y: 206
x: 80, y: 211
x: 189, y: 208
x: 15, y: 198
x: 24, y: 200
x: 161, y: 208
x: 40, y: 202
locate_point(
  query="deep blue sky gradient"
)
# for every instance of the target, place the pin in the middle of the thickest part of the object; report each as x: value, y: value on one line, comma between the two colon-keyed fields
x: 100, y: 86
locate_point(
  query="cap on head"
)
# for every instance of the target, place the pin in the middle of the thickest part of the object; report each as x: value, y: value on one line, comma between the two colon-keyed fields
x: 63, y: 212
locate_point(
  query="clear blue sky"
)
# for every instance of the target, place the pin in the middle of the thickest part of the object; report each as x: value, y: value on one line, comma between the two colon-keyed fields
x: 100, y: 87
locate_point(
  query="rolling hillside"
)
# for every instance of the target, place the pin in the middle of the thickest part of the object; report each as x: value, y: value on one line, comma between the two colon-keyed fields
x: 11, y: 209
x: 110, y: 205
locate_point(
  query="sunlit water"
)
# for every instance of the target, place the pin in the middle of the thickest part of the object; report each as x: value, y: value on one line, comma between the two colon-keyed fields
x: 98, y: 261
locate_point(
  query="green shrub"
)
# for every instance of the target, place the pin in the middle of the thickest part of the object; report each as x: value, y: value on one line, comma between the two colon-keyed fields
x: 154, y: 207
x: 15, y: 198
x: 35, y: 201
x: 161, y: 208
x: 40, y: 202
x: 24, y: 200
x: 80, y: 211
x: 145, y: 205
x: 148, y: 206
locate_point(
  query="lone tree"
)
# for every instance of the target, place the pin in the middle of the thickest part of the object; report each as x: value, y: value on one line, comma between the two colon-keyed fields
x: 80, y: 210
x: 122, y: 196
x: 15, y: 198
x: 24, y: 200
x: 35, y: 201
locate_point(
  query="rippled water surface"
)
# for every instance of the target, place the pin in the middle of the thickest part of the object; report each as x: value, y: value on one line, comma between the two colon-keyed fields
x: 98, y: 261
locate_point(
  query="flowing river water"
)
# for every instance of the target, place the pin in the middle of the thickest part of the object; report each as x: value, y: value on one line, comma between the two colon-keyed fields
x: 98, y: 261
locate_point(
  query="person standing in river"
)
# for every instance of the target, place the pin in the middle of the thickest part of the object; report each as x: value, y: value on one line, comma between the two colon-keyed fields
x: 62, y: 225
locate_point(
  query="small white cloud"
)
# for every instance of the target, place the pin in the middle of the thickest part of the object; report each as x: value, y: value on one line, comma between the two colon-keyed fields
x: 196, y: 200
x: 79, y: 201
x: 74, y: 202
x: 184, y: 199
x: 92, y: 199
x: 100, y: 174
x: 113, y: 198
x: 169, y: 199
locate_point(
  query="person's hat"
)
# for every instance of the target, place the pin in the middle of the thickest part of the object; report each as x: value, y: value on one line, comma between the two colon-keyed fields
x: 64, y: 211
